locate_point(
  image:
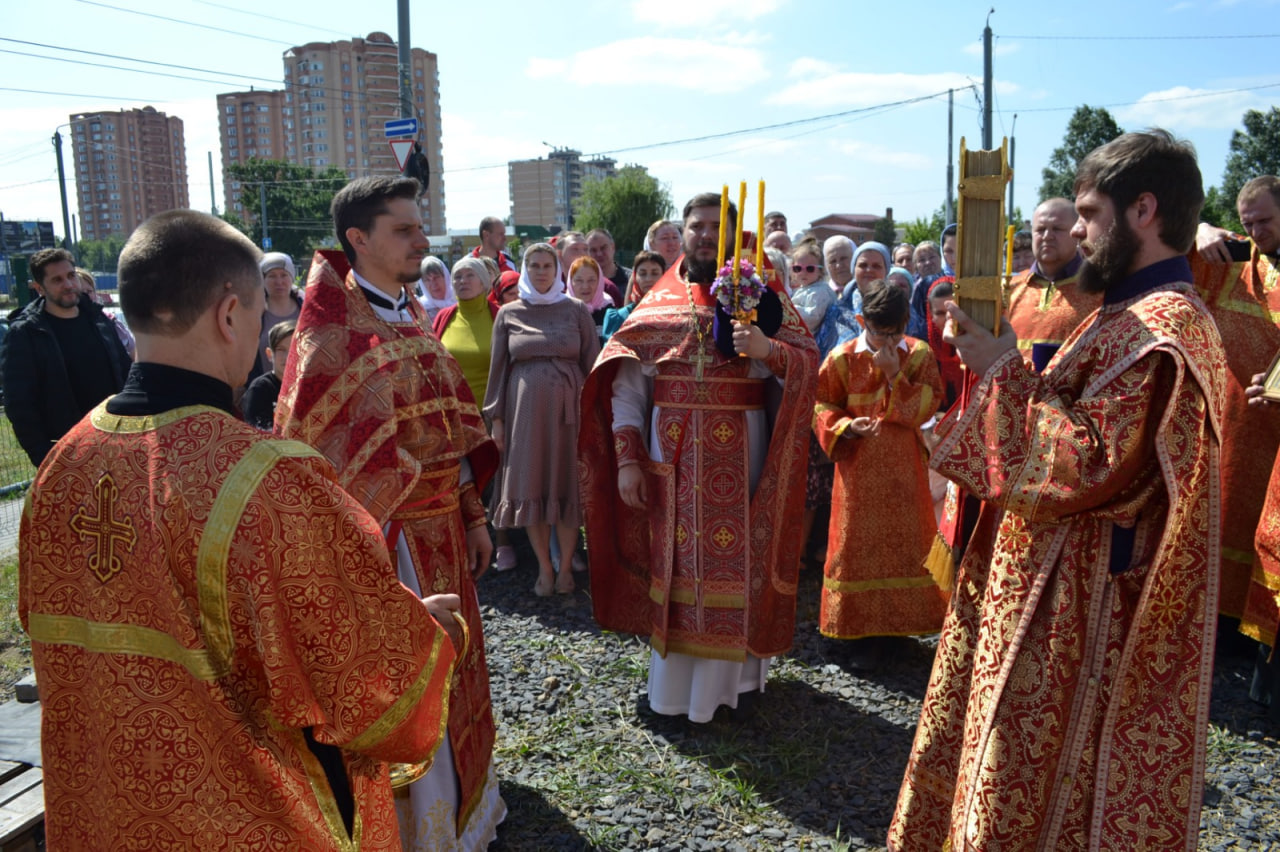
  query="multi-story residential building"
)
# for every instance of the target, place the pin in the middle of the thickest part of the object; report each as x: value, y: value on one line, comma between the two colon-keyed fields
x: 543, y: 191
x: 129, y: 165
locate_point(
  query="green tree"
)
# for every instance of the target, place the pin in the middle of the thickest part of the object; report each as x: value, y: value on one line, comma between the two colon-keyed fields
x: 885, y: 232
x: 100, y: 255
x: 920, y: 229
x: 1254, y: 151
x: 625, y: 204
x: 298, y: 200
x: 1088, y: 129
x: 1220, y: 211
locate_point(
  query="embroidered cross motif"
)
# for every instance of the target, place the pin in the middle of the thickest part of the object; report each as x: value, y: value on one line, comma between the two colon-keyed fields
x: 105, y: 529
x: 723, y: 537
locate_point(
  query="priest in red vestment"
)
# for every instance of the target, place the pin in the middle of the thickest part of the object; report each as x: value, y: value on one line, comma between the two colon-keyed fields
x: 225, y: 658
x: 1068, y: 706
x: 1244, y: 297
x: 372, y: 388
x: 693, y: 447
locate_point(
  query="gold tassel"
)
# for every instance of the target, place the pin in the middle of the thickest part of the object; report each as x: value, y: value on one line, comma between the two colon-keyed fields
x: 941, y: 564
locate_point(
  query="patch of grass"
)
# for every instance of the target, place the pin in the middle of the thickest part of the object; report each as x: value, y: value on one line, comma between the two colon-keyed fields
x: 15, y: 467
x: 15, y: 647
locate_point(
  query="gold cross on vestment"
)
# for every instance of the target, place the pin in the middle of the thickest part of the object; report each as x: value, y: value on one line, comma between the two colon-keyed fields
x: 700, y: 361
x: 105, y: 530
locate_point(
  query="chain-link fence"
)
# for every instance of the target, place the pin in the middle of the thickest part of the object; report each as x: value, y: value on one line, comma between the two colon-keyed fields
x: 16, y: 472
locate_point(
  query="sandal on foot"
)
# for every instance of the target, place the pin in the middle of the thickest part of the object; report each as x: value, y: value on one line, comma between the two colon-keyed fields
x: 543, y: 591
x: 564, y: 588
x: 505, y: 558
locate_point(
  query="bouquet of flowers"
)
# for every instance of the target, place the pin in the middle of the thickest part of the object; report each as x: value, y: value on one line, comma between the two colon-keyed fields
x: 739, y: 293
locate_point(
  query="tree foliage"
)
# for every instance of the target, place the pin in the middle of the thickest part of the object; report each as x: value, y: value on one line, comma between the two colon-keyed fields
x: 1088, y: 128
x: 920, y: 229
x: 1254, y: 151
x: 625, y: 204
x: 885, y: 232
x: 298, y: 200
x: 100, y: 255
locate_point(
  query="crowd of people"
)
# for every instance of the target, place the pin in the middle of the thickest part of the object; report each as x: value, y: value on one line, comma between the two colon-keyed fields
x: 1070, y: 500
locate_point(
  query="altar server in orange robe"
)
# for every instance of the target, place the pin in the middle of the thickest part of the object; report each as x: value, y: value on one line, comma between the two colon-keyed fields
x: 225, y: 658
x: 874, y: 395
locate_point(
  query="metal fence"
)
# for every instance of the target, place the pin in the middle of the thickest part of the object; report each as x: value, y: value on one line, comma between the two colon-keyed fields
x: 16, y: 472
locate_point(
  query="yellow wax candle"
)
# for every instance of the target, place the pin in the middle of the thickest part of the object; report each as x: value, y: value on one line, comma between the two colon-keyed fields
x: 1008, y: 251
x: 737, y: 238
x: 760, y: 233
x: 724, y: 223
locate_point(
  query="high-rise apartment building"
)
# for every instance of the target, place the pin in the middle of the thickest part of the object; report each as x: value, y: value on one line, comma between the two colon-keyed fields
x: 543, y: 191
x: 336, y: 99
x: 250, y: 126
x: 129, y: 165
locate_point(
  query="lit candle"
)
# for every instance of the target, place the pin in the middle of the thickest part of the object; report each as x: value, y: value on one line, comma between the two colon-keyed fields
x: 737, y: 237
x: 760, y: 234
x: 724, y: 223
x: 1008, y: 251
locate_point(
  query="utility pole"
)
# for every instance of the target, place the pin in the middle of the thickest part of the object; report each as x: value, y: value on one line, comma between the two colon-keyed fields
x: 62, y: 188
x: 951, y: 148
x: 213, y: 201
x: 405, y: 60
x: 986, y: 83
x: 1013, y: 146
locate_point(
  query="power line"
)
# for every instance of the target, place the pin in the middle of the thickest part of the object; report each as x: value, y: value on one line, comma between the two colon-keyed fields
x: 1133, y: 38
x: 270, y: 18
x: 185, y: 23
x: 81, y: 95
x: 115, y: 67
x: 139, y: 61
x: 1197, y: 96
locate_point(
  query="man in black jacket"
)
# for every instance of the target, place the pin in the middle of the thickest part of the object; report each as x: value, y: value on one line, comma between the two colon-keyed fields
x: 60, y: 359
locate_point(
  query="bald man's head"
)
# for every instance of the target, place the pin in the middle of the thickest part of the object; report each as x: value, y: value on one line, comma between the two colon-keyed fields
x: 1051, y: 239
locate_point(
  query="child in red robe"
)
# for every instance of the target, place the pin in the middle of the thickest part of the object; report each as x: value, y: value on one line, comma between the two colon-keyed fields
x: 875, y: 393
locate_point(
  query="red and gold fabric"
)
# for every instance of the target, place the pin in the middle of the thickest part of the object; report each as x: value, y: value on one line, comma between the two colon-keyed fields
x: 1244, y: 299
x: 882, y: 523
x: 1068, y: 706
x: 1044, y: 312
x: 186, y: 629
x: 389, y: 407
x: 710, y: 570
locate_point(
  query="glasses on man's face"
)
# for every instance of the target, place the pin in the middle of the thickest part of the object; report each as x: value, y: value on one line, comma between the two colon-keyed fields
x: 806, y: 267
x: 881, y: 334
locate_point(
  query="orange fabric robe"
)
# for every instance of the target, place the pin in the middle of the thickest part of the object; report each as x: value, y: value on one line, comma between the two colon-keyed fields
x: 197, y: 594
x: 1044, y: 312
x: 710, y: 570
x: 389, y: 406
x: 1244, y: 299
x: 1262, y: 607
x: 1068, y: 706
x: 882, y: 522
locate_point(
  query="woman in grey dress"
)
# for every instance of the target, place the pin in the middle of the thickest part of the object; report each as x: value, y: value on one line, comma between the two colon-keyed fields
x: 544, y: 344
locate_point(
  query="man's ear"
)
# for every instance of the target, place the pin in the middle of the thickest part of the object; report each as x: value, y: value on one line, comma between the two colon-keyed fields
x: 224, y: 315
x: 357, y: 237
x: 1143, y: 210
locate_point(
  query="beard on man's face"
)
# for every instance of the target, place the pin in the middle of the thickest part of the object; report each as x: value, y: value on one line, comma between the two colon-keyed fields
x: 702, y: 271
x: 1109, y: 258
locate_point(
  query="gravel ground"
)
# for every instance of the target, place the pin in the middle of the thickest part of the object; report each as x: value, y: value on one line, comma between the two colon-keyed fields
x: 816, y: 764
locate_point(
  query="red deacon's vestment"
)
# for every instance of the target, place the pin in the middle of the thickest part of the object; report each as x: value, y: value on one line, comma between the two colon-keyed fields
x: 1068, y: 706
x: 882, y: 523
x: 198, y: 594
x: 388, y: 405
x: 1244, y: 300
x: 709, y: 571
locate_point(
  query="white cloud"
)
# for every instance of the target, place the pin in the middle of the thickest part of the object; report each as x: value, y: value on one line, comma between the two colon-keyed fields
x: 863, y: 89
x: 673, y: 14
x: 709, y: 67
x: 870, y: 152
x: 807, y: 66
x: 475, y: 167
x: 1182, y: 107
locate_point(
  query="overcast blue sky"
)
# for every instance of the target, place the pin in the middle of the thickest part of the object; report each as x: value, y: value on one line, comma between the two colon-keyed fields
x: 603, y: 76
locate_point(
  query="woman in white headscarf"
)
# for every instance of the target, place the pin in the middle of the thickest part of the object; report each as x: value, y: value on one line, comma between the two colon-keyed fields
x: 436, y: 292
x: 543, y: 346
